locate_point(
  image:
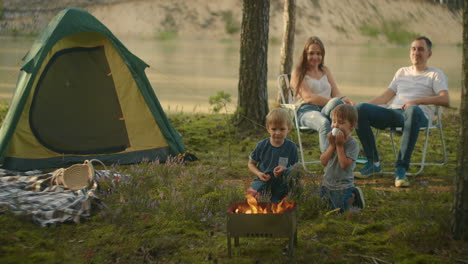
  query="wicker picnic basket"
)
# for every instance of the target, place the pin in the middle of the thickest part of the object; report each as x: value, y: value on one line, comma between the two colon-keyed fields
x: 75, y: 177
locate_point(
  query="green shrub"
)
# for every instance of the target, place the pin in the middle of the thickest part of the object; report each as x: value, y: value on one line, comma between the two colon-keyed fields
x: 231, y: 25
x: 166, y: 35
x: 369, y: 31
x: 393, y: 31
x: 169, y: 23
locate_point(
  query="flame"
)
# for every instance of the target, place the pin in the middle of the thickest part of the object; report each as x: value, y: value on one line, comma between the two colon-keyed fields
x: 252, y: 207
x: 281, y: 207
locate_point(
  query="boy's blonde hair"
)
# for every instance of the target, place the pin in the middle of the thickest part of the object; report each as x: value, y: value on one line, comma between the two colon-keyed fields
x: 346, y: 112
x: 278, y: 116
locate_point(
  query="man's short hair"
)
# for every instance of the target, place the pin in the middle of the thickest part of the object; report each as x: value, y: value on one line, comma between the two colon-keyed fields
x: 427, y: 40
x: 346, y: 112
x: 278, y: 116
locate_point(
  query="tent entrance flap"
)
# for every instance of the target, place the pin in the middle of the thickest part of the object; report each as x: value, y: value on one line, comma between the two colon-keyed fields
x: 75, y: 108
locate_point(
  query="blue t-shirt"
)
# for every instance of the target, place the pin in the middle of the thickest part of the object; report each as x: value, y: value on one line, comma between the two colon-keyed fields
x: 268, y: 156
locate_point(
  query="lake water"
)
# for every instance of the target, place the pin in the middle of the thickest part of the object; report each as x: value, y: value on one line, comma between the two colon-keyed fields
x: 184, y: 74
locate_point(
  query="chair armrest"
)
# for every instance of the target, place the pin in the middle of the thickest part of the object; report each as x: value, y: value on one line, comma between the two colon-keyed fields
x: 289, y: 106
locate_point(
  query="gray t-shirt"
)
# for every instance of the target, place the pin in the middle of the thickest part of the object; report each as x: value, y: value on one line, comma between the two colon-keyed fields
x: 336, y: 178
x: 269, y: 157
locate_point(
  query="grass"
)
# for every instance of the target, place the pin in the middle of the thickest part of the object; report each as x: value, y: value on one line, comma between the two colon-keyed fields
x: 369, y: 31
x: 175, y: 212
x: 393, y: 31
x: 166, y: 35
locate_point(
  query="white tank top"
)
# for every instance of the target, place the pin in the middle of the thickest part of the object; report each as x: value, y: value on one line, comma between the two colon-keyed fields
x: 320, y: 87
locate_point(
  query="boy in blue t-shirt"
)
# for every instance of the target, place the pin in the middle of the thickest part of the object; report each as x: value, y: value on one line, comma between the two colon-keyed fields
x: 273, y: 158
x: 340, y: 160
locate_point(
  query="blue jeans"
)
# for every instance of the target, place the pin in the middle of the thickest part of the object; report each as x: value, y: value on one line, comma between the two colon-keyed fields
x: 411, y: 120
x: 278, y: 187
x: 338, y: 198
x: 318, y: 118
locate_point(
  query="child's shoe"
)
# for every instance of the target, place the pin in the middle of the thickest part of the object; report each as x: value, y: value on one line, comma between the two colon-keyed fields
x: 401, y: 180
x: 368, y: 170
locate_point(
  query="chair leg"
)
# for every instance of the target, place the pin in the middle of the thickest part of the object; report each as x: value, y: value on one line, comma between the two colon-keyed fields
x: 392, y: 140
x: 423, y: 159
x: 393, y: 145
x: 301, y: 150
x: 442, y: 140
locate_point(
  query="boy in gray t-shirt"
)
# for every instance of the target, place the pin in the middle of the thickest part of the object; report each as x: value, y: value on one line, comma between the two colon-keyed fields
x: 339, y: 160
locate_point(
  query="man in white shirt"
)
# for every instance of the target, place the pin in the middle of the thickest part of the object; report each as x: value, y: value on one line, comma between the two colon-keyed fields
x: 413, y: 88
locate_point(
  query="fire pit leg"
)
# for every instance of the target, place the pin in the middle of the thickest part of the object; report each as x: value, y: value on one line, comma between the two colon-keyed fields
x: 291, y: 245
x: 229, y: 244
x: 295, y: 238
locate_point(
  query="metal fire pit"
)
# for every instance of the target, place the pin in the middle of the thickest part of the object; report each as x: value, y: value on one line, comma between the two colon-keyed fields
x: 261, y: 225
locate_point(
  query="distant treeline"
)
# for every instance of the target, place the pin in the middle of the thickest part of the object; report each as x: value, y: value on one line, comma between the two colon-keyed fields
x: 452, y: 4
x: 10, y: 9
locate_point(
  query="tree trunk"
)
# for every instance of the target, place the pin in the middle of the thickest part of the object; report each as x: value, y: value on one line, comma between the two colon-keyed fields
x: 460, y: 201
x: 252, y: 104
x: 287, y: 48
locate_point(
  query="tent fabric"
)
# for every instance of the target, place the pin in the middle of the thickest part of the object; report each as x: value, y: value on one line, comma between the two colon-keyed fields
x: 107, y: 135
x: 82, y: 95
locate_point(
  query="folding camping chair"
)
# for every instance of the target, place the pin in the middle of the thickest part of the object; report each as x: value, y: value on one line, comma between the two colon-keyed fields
x: 287, y: 101
x: 434, y: 122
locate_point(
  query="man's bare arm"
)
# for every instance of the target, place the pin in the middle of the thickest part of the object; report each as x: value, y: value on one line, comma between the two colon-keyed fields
x: 441, y: 99
x: 384, y: 98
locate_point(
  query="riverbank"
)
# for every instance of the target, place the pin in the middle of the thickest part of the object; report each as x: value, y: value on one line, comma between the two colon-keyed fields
x: 345, y: 21
x: 184, y: 74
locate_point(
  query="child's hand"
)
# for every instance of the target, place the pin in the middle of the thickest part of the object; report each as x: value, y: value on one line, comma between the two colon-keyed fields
x: 341, y: 138
x: 264, y: 177
x: 278, y: 171
x: 347, y: 101
x: 331, y: 139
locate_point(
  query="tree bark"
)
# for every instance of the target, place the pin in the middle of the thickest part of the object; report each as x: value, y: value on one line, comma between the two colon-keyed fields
x: 287, y: 48
x: 460, y: 201
x: 252, y: 104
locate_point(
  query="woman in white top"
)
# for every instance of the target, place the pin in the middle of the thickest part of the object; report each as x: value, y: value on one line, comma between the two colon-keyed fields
x: 316, y: 93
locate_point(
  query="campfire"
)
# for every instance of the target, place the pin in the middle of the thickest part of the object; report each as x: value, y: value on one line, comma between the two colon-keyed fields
x: 262, y: 219
x: 253, y: 207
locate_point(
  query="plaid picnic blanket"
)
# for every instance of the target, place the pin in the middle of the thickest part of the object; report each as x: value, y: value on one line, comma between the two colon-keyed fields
x: 33, y: 194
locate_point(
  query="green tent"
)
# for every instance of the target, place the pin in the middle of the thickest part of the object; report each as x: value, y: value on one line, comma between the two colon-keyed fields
x: 82, y: 95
